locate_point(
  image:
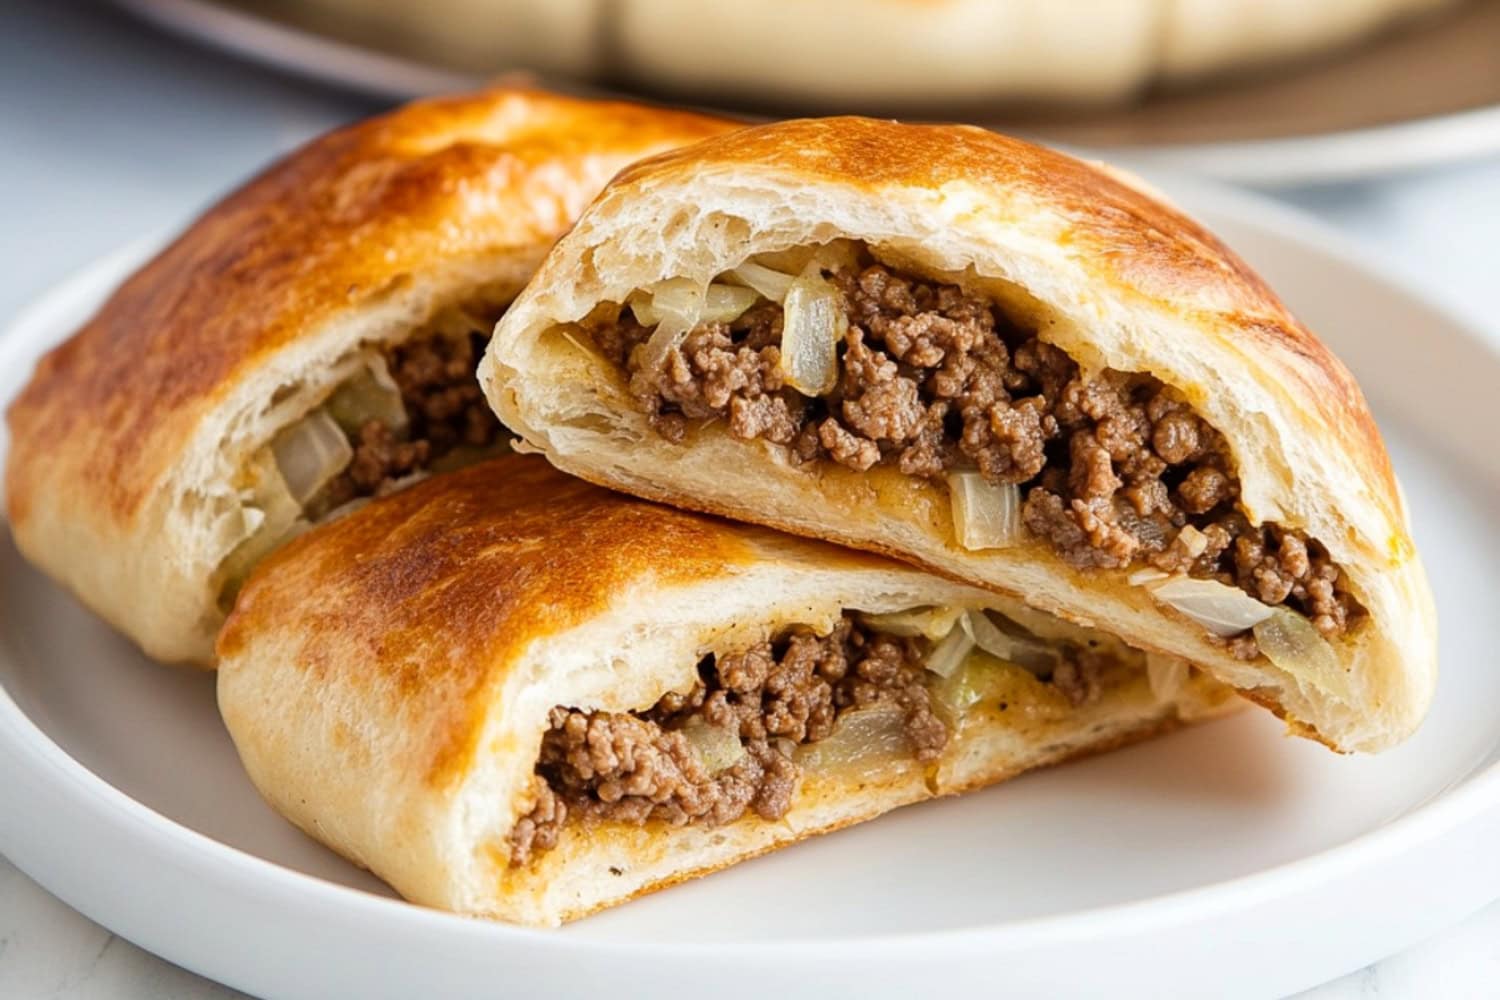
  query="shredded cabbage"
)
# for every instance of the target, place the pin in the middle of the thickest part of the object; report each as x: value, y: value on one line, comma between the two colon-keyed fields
x: 863, y: 741
x: 1218, y: 607
x: 948, y: 655
x: 932, y: 623
x: 1295, y: 645
x: 768, y: 282
x: 370, y: 394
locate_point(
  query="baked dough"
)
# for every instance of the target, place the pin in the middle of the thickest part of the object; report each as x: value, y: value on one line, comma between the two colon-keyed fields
x: 864, y: 54
x: 396, y: 715
x: 126, y: 444
x: 859, y: 54
x: 1103, y: 270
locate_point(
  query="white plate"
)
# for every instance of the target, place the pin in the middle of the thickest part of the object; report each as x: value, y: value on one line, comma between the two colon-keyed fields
x: 1207, y: 136
x: 1225, y: 860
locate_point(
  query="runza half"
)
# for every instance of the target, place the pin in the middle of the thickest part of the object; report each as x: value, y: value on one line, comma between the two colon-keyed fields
x: 217, y: 402
x: 997, y: 362
x: 513, y: 694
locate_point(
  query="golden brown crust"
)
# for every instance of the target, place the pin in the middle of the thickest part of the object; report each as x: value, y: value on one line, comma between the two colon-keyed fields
x: 339, y: 220
x: 387, y: 680
x: 439, y: 595
x: 1129, y: 238
x: 108, y: 437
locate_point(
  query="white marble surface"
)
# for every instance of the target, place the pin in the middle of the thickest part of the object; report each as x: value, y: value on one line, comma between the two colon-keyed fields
x: 108, y: 131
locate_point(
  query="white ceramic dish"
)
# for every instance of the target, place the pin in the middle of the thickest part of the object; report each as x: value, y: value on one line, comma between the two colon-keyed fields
x: 1226, y: 860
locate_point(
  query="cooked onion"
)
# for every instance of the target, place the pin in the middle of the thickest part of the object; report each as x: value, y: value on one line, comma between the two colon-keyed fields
x: 310, y: 453
x: 370, y: 394
x: 678, y: 299
x: 985, y: 515
x: 813, y: 323
x: 1193, y: 540
x: 1166, y: 674
x: 688, y: 304
x: 863, y: 741
x: 270, y: 516
x: 1218, y: 607
x: 643, y: 309
x: 792, y: 260
x: 1295, y: 645
x: 1036, y: 655
x: 1145, y: 576
x: 948, y: 655
x: 768, y: 282
x: 726, y: 303
x: 718, y: 748
x: 663, y: 340
x: 986, y: 635
x: 984, y: 678
x: 673, y: 307
x: 932, y: 623
x: 962, y: 690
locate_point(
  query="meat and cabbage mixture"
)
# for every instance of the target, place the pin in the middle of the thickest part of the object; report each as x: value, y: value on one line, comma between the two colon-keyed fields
x: 872, y: 690
x: 410, y: 409
x: 444, y: 413
x: 855, y: 363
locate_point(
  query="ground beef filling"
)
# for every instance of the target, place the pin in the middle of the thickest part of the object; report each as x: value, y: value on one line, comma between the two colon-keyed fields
x: 445, y: 410
x: 1112, y: 467
x: 639, y: 766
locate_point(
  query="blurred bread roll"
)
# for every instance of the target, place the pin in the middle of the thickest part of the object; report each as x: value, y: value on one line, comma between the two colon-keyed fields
x: 918, y: 53
x: 481, y: 36
x: 891, y: 52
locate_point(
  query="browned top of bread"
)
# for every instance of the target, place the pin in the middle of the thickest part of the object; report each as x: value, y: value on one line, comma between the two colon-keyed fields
x: 342, y: 219
x: 440, y: 586
x: 1130, y: 238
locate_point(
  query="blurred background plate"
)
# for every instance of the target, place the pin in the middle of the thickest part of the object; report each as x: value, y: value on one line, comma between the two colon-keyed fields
x: 1426, y: 92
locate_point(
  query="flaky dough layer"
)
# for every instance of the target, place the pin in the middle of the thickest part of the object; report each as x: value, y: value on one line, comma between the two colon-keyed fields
x: 1103, y: 269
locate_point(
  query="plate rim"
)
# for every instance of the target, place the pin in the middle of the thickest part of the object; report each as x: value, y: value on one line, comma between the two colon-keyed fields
x: 1328, y: 157
x: 27, y: 753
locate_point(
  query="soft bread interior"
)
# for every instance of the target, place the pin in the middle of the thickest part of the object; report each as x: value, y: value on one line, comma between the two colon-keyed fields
x: 319, y: 749
x: 208, y: 495
x: 570, y: 404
